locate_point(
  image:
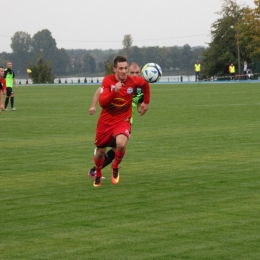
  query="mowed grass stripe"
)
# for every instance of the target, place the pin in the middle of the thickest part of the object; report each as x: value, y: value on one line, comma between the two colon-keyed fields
x: 189, y: 185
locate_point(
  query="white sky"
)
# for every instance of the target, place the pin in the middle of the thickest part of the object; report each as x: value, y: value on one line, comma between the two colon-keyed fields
x: 102, y: 24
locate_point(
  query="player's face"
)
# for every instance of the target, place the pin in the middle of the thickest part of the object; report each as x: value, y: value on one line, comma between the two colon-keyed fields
x: 121, y: 71
x: 134, y: 71
x: 9, y: 65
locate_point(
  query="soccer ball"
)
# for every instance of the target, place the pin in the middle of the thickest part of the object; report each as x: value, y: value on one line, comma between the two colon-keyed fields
x: 152, y: 72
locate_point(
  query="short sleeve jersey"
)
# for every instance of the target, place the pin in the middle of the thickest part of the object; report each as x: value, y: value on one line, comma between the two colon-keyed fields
x: 117, y: 107
x: 9, y: 77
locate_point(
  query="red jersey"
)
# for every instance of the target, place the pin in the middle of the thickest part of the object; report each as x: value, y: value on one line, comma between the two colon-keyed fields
x: 117, y: 106
x: 2, y: 85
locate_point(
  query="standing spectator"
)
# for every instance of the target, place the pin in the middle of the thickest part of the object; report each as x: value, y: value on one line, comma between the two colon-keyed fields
x: 245, y: 69
x: 197, y: 69
x: 232, y: 70
x: 2, y: 88
x: 10, y: 81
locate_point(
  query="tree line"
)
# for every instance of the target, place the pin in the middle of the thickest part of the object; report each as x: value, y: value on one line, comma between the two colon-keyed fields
x: 235, y: 36
x: 27, y: 51
x: 235, y: 39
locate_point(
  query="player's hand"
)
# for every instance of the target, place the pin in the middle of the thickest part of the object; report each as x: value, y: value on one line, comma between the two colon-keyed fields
x: 143, y: 108
x: 92, y: 110
x: 2, y: 107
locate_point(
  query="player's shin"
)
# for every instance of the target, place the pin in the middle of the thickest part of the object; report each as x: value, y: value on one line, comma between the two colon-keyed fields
x: 98, y: 165
x: 119, y: 155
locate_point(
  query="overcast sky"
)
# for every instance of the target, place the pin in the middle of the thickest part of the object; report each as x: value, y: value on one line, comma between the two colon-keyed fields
x: 102, y: 24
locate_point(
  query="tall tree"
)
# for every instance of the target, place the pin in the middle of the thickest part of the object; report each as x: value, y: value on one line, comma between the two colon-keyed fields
x: 41, y: 72
x: 89, y: 63
x: 108, y: 67
x: 21, y: 44
x: 44, y: 44
x: 127, y: 41
x: 249, y: 32
x: 61, y: 63
x: 223, y: 48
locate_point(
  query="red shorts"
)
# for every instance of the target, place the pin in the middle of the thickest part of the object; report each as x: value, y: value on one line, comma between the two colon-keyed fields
x: 106, y: 133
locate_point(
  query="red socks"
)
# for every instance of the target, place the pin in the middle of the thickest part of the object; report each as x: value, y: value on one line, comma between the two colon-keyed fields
x: 118, y: 158
x: 98, y: 165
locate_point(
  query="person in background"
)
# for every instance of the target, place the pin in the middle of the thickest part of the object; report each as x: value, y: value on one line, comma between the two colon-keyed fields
x: 245, y: 69
x: 232, y: 70
x: 10, y: 81
x: 197, y: 69
x: 2, y: 88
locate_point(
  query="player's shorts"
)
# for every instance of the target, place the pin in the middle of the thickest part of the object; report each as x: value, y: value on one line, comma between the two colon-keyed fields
x: 9, y: 91
x: 106, y: 134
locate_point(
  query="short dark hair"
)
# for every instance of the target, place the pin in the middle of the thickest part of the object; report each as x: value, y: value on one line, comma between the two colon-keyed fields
x: 1, y: 67
x: 119, y: 59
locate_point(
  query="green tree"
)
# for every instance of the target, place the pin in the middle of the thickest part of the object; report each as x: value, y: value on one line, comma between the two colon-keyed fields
x: 21, y: 44
x: 223, y: 48
x: 249, y: 32
x: 108, y: 67
x: 89, y: 63
x: 127, y: 41
x: 186, y: 56
x: 45, y: 45
x: 61, y: 63
x: 41, y: 72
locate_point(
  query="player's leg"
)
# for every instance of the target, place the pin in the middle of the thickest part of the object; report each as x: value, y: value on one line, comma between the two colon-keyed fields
x: 12, y: 102
x: 8, y: 95
x: 122, y: 133
x: 109, y: 157
x: 103, y: 138
x: 99, y: 160
x: 121, y: 142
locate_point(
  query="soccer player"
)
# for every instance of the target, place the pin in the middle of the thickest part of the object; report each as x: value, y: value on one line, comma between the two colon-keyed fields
x: 10, y: 80
x: 2, y: 88
x: 134, y: 70
x: 115, y: 100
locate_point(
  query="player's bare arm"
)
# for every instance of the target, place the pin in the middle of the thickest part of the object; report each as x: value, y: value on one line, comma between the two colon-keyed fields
x: 95, y: 99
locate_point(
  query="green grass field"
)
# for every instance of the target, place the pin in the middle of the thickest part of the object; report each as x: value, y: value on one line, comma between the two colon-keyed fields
x: 189, y: 187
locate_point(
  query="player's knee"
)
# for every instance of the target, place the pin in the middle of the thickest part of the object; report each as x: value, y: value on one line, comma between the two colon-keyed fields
x: 100, y: 152
x: 121, y: 145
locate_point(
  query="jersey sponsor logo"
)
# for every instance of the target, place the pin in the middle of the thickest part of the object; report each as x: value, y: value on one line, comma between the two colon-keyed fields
x: 130, y: 90
x: 112, y: 88
x: 118, y: 102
